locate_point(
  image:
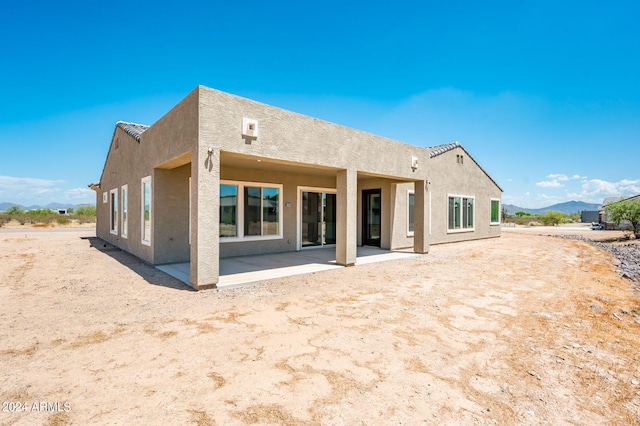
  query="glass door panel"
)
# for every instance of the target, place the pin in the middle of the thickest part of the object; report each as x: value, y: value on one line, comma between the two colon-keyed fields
x: 329, y: 218
x: 318, y: 225
x: 371, y: 220
x: 311, y: 219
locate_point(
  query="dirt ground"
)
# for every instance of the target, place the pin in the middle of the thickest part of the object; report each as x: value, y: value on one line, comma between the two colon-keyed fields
x: 524, y: 329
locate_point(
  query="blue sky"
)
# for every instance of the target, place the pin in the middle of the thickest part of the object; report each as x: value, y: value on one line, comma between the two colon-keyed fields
x: 545, y: 95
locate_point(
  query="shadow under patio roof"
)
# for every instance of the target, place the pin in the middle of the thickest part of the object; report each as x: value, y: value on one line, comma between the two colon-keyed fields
x: 243, y: 270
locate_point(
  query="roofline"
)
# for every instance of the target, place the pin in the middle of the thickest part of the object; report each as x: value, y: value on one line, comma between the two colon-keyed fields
x: 441, y: 149
x: 622, y: 199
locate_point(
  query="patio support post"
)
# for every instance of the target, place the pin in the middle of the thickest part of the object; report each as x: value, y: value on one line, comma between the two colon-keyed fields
x: 205, y: 217
x: 346, y: 215
x: 421, y: 217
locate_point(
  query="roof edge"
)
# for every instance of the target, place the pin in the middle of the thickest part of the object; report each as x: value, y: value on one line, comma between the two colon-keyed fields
x: 436, y: 150
x: 132, y: 129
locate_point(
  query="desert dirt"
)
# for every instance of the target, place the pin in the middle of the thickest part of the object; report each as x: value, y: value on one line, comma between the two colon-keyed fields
x: 523, y: 329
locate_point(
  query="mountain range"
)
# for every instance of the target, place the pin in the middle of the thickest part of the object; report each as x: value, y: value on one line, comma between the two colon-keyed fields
x: 53, y: 206
x: 568, y: 207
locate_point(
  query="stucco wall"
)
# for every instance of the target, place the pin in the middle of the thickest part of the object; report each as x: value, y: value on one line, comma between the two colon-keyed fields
x: 399, y: 209
x: 122, y: 168
x: 285, y: 135
x: 171, y: 219
x: 448, y: 177
x: 128, y: 161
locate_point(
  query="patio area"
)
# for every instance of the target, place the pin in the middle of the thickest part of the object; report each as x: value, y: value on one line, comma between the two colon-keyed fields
x: 237, y: 271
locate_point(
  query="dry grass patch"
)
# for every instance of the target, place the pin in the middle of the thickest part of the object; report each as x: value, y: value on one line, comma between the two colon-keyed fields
x: 42, y: 225
x: 96, y: 337
x: 59, y: 419
x: 282, y: 306
x: 27, y: 351
x: 220, y: 381
x: 268, y: 413
x: 201, y: 418
x: 415, y: 364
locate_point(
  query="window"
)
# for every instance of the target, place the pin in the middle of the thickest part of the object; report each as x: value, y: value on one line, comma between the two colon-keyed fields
x: 146, y: 210
x: 495, y: 211
x: 410, y: 207
x: 125, y: 206
x: 250, y: 211
x: 113, y: 222
x: 459, y: 159
x: 228, y: 210
x: 461, y: 213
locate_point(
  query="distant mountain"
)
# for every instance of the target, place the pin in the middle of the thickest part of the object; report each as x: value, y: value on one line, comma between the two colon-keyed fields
x: 53, y: 206
x: 568, y: 207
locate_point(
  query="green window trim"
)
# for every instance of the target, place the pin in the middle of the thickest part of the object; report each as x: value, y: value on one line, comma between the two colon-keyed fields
x: 495, y: 211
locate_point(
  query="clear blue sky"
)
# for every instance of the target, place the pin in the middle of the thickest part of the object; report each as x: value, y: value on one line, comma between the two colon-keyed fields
x: 545, y: 95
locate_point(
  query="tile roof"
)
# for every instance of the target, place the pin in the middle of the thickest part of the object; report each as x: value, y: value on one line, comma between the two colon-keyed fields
x: 441, y: 149
x: 132, y: 129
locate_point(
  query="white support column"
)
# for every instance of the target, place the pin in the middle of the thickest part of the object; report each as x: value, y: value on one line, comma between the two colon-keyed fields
x: 347, y: 219
x: 205, y: 218
x: 421, y: 216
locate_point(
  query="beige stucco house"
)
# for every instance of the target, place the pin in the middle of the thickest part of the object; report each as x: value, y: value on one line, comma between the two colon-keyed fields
x: 221, y: 176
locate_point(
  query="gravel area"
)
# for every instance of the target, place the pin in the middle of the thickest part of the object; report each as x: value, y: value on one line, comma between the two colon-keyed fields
x: 627, y: 254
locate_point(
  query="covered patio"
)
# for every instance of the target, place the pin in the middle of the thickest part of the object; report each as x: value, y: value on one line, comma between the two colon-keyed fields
x: 243, y: 270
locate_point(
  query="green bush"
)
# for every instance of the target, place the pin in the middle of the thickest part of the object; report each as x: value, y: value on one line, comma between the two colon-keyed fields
x: 15, y: 210
x: 626, y: 210
x: 40, y: 212
x: 553, y: 218
x: 85, y: 211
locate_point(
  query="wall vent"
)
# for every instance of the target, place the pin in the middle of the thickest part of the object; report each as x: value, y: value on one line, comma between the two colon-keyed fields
x: 249, y: 127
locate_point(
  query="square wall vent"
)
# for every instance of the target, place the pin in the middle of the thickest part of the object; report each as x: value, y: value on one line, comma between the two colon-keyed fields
x: 414, y: 163
x: 249, y: 127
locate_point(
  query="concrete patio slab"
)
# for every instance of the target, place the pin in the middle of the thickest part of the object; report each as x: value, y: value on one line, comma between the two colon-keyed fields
x: 237, y: 271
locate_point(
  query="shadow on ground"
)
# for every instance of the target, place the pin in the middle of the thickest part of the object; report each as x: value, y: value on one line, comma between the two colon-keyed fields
x: 145, y: 270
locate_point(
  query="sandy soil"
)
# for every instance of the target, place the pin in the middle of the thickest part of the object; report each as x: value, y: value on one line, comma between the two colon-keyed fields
x: 524, y: 329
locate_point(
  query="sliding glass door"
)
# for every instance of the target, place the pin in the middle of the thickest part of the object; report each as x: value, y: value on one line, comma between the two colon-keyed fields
x: 371, y: 217
x: 318, y: 218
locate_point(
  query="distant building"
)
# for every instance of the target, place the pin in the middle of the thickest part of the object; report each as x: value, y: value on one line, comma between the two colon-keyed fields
x: 587, y: 216
x: 602, y: 213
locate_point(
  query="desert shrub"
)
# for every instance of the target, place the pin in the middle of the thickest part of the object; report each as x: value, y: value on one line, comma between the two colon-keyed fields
x: 4, y: 218
x: 626, y: 214
x: 15, y: 210
x: 85, y: 211
x: 40, y: 212
x: 41, y: 218
x: 85, y: 219
x: 63, y: 220
x: 552, y: 218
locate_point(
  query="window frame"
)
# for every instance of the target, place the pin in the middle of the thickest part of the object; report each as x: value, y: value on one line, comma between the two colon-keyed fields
x: 461, y: 216
x: 410, y: 212
x: 113, y: 211
x: 491, y: 221
x: 143, y: 181
x: 124, y: 211
x: 240, y: 213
